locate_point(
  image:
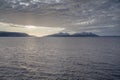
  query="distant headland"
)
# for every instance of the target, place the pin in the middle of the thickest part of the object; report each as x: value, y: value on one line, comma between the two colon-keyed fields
x: 83, y: 34
x: 13, y: 34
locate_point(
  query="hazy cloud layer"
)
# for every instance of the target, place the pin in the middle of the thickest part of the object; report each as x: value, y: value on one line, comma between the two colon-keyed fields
x: 100, y: 16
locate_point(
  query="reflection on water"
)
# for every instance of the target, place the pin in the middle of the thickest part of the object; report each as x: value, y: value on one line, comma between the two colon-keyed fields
x: 59, y: 59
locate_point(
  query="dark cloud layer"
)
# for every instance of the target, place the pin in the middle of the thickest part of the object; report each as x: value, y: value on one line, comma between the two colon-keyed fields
x: 100, y: 16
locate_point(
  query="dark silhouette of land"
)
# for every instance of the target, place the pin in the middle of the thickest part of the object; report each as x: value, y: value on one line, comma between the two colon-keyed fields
x: 13, y: 34
x: 83, y: 34
x: 61, y: 34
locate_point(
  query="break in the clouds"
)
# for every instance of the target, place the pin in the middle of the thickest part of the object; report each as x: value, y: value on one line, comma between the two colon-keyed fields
x: 38, y: 31
x: 99, y: 16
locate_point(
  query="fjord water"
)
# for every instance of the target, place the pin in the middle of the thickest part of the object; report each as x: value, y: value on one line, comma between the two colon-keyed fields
x: 60, y: 58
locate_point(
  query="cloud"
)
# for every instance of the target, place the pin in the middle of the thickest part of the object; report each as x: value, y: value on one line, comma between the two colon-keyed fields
x: 71, y: 14
x: 29, y: 29
x: 88, y: 22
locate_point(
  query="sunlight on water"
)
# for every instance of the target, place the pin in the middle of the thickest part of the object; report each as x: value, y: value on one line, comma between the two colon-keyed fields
x: 59, y: 58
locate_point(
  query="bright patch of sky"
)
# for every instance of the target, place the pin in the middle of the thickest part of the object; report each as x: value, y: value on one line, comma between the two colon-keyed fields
x: 29, y: 29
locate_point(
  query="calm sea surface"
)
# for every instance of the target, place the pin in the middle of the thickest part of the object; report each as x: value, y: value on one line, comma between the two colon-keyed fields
x: 60, y: 58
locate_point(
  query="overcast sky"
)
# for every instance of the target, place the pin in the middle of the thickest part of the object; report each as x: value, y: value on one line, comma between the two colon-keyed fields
x: 98, y: 16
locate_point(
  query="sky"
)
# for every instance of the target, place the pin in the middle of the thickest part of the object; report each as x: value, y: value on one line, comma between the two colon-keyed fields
x: 38, y: 31
x: 98, y: 16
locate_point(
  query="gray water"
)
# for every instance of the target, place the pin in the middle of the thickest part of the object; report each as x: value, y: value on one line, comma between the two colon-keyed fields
x: 60, y: 58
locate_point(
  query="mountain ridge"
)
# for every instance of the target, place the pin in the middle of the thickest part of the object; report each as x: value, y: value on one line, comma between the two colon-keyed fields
x: 83, y: 34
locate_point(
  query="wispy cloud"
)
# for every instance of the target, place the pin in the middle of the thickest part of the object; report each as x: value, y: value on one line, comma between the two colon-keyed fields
x: 87, y: 22
x: 71, y: 14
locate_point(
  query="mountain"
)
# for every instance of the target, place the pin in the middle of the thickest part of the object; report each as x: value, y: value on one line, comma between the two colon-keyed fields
x: 13, y: 34
x: 83, y: 34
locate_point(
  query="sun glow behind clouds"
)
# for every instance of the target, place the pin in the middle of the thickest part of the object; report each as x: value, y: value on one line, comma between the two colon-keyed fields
x: 30, y: 27
x: 38, y: 31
